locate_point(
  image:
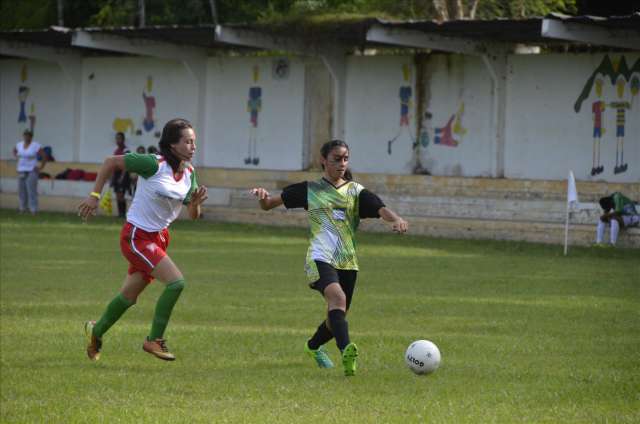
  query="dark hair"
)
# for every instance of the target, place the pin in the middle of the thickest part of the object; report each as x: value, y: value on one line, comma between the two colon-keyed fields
x: 121, y: 134
x: 606, y: 203
x: 171, y: 134
x: 328, y: 147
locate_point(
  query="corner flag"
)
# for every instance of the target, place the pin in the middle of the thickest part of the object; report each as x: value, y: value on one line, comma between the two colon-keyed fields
x: 572, y: 201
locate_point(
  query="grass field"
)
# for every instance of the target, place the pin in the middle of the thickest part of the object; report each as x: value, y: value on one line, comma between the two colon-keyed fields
x: 526, y: 334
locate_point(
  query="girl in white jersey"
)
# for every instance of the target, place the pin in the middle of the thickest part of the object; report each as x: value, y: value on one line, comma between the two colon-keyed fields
x: 165, y: 183
x: 335, y: 205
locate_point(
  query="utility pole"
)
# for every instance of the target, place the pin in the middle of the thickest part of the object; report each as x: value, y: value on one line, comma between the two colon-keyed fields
x: 141, y: 13
x: 61, y: 13
x: 214, y: 11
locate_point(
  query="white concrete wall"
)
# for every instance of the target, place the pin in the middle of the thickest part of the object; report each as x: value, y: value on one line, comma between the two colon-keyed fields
x: 279, y: 135
x: 373, y: 115
x: 49, y: 93
x: 545, y: 135
x: 112, y: 89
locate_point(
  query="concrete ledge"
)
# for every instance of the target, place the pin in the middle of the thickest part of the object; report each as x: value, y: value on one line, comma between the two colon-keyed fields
x: 399, y: 185
x: 467, y: 217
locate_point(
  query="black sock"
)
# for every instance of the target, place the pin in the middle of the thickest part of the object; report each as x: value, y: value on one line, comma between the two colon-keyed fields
x: 321, y: 336
x: 339, y: 328
x: 122, y: 208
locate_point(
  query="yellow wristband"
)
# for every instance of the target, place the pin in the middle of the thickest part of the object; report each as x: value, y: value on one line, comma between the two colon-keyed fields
x: 95, y: 194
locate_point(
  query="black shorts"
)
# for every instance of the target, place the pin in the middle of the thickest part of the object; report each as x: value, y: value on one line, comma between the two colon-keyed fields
x: 328, y: 274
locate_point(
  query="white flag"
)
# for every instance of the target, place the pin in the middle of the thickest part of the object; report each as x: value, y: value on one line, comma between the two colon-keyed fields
x: 572, y: 191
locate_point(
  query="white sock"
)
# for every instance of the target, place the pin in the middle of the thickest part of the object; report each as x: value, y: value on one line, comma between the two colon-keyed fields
x: 600, y: 231
x: 615, y: 229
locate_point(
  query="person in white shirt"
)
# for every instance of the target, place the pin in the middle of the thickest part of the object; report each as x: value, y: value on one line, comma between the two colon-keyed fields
x: 166, y: 182
x: 27, y: 152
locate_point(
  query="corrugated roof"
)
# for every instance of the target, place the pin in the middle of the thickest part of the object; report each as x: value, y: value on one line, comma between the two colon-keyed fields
x: 349, y: 33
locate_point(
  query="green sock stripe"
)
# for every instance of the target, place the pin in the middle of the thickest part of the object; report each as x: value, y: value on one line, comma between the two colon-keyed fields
x: 164, y: 307
x: 115, y: 309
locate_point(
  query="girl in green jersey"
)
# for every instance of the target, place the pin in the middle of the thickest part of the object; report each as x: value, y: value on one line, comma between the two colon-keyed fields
x: 335, y: 204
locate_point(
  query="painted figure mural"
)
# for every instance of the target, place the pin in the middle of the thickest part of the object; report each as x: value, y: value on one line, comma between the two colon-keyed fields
x: 444, y: 135
x: 625, y: 81
x: 254, y: 106
x: 23, y: 94
x: 404, y: 93
x: 148, y: 123
x: 597, y: 108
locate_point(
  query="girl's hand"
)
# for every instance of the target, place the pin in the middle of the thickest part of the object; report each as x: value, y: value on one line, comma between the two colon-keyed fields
x: 199, y: 196
x: 400, y: 226
x: 87, y: 208
x: 260, y: 193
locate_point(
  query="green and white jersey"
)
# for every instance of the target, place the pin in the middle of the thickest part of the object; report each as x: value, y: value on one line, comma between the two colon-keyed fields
x: 334, y: 215
x: 159, y: 195
x: 623, y: 205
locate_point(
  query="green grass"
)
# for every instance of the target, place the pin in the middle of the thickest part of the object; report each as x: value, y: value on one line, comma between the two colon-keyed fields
x: 526, y: 334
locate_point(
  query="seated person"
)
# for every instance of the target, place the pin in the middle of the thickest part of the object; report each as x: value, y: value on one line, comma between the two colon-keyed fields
x: 619, y: 212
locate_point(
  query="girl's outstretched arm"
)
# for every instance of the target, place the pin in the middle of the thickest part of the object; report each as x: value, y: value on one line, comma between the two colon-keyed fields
x: 266, y: 201
x: 398, y: 224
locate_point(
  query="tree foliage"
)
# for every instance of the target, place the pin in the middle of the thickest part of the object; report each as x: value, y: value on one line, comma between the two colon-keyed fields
x: 81, y: 13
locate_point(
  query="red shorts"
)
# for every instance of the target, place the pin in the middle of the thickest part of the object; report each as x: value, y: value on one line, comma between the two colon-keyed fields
x: 142, y: 249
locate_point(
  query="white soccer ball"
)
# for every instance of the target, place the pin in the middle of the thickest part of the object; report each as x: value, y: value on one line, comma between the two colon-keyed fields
x: 422, y: 357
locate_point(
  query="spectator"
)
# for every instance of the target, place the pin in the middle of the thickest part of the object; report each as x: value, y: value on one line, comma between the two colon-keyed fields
x: 619, y: 212
x: 121, y: 179
x: 27, y: 152
x: 152, y: 150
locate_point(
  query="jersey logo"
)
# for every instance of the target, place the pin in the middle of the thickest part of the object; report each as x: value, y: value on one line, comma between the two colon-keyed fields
x: 152, y: 247
x: 339, y: 214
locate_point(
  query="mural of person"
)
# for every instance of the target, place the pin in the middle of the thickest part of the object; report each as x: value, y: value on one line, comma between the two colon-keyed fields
x: 619, y: 73
x: 32, y: 118
x: 405, y: 93
x: 254, y: 106
x: 444, y: 135
x: 621, y: 109
x: 597, y: 108
x: 148, y: 123
x: 23, y: 93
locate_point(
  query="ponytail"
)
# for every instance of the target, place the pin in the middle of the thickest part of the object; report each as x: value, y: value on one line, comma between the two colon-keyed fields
x: 171, y: 134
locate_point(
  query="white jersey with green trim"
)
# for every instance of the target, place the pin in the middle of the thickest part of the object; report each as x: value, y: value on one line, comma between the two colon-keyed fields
x: 159, y: 197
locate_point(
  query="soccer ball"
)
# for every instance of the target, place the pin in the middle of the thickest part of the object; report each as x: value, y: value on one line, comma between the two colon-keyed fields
x: 422, y: 357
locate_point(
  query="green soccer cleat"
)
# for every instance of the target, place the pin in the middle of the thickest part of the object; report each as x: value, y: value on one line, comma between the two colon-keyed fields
x: 349, y: 356
x: 319, y: 355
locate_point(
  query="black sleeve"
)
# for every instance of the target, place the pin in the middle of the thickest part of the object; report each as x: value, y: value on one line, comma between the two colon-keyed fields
x: 370, y: 204
x: 295, y: 196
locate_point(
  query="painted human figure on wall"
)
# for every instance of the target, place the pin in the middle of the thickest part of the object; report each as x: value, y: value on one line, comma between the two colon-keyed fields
x: 444, y: 135
x: 404, y: 93
x: 32, y: 118
x: 148, y: 123
x: 23, y: 94
x: 621, y: 108
x: 621, y: 76
x: 254, y: 106
x: 597, y: 108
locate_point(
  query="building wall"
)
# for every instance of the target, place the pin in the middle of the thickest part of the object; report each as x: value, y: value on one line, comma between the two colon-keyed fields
x: 549, y: 118
x: 383, y: 136
x: 113, y: 99
x: 48, y: 103
x: 550, y: 127
x: 274, y: 138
